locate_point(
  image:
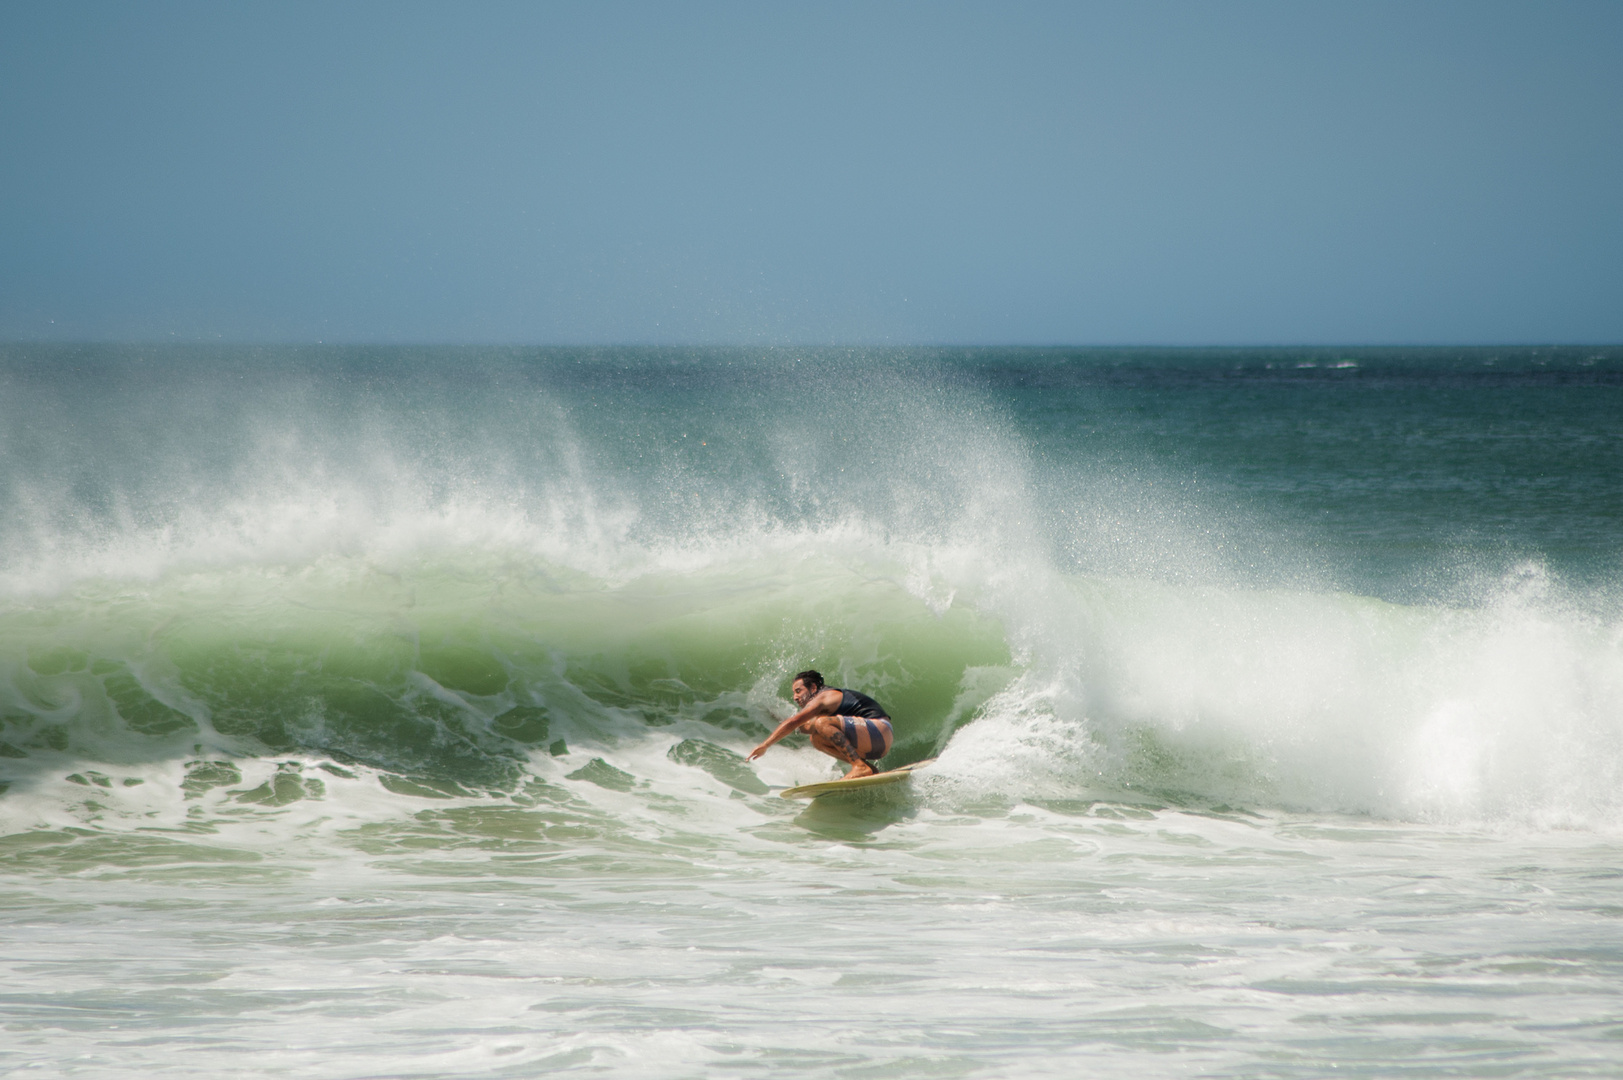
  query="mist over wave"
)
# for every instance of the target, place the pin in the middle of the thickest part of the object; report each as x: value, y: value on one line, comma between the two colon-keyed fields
x: 459, y: 571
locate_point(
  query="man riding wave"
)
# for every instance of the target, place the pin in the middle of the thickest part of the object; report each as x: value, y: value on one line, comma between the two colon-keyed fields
x: 843, y: 724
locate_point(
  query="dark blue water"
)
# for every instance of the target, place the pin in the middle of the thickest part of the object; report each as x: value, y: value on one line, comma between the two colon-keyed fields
x: 1396, y: 472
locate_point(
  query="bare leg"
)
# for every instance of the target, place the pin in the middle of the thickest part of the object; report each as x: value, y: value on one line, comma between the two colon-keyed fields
x: 828, y: 735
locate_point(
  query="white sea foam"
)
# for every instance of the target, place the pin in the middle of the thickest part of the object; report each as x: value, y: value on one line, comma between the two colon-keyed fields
x: 1511, y: 711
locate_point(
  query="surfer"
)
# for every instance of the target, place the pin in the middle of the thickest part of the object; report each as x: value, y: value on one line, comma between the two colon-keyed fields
x: 843, y: 724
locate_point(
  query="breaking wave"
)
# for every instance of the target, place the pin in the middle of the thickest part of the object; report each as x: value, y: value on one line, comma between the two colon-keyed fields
x: 245, y: 581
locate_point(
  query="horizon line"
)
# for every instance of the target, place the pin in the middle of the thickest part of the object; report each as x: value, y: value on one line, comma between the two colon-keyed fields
x: 876, y: 345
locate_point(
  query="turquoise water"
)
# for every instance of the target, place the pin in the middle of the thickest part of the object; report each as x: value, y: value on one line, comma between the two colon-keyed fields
x: 381, y: 712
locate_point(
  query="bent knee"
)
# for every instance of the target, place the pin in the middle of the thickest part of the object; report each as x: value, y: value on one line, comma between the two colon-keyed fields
x: 824, y: 726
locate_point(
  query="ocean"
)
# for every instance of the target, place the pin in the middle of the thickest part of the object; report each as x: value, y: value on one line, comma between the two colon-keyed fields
x: 382, y: 712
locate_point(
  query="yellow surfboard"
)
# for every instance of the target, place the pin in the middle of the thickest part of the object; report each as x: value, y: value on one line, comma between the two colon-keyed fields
x: 829, y: 787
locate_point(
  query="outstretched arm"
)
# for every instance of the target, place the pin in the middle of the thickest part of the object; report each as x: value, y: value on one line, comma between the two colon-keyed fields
x: 824, y: 703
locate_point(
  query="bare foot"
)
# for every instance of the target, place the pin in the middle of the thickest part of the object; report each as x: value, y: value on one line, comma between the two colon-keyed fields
x: 859, y: 770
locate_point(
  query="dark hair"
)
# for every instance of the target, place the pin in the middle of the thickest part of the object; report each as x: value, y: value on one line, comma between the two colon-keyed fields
x: 813, y: 679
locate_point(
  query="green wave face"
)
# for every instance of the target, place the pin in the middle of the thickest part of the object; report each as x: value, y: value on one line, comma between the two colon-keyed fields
x: 453, y: 677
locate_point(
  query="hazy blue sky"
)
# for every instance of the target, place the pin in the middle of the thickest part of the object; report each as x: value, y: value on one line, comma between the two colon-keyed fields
x: 1178, y: 173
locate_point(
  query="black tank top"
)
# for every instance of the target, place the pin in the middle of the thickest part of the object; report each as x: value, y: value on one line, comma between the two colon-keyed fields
x: 856, y: 704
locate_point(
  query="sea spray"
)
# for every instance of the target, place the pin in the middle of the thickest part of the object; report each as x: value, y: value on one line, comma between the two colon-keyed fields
x: 1323, y: 702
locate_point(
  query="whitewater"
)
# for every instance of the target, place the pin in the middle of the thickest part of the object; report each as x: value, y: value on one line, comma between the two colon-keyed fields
x: 381, y: 712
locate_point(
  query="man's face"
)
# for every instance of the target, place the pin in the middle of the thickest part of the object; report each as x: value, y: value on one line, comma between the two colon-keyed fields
x: 802, y: 693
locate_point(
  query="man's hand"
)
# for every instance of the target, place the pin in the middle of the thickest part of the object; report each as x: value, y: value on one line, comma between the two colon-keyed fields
x: 788, y: 727
x: 823, y: 703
